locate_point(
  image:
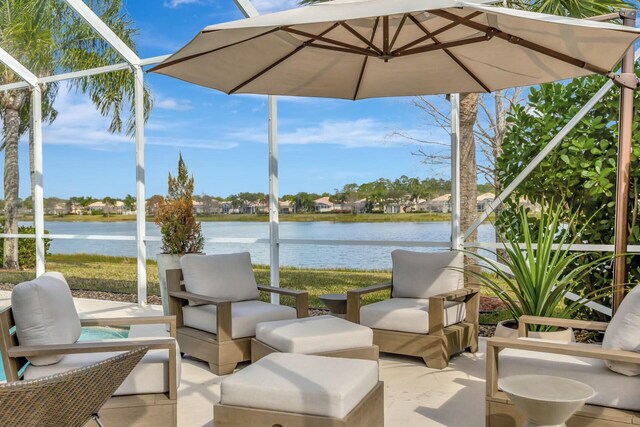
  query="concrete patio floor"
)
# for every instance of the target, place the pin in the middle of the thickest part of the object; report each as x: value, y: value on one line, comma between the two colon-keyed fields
x: 415, y: 396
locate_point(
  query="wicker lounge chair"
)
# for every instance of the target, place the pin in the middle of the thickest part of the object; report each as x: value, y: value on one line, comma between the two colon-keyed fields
x: 39, y: 337
x: 70, y: 399
x: 215, y: 301
x: 432, y: 313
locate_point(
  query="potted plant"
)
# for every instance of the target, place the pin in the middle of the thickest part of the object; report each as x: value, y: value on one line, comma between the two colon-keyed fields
x: 543, y: 269
x: 181, y: 233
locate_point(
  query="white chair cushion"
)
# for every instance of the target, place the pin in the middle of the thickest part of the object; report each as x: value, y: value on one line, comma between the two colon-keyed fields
x: 228, y: 277
x: 44, y: 313
x: 612, y: 390
x: 245, y: 315
x: 408, y: 314
x: 623, y: 333
x: 314, y: 335
x: 425, y: 274
x: 151, y: 375
x: 302, y: 384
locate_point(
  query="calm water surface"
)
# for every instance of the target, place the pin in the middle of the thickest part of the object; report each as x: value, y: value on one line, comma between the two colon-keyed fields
x: 320, y: 256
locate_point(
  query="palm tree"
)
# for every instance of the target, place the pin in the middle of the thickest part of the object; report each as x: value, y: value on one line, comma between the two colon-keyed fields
x: 469, y: 101
x: 48, y: 37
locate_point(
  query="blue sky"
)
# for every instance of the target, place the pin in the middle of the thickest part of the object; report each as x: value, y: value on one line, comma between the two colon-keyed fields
x: 324, y: 143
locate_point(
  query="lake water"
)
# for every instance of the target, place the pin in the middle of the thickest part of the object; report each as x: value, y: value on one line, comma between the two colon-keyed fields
x: 320, y: 256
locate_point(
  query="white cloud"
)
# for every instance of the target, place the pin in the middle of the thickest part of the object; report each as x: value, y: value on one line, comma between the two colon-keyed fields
x: 80, y: 124
x: 359, y: 133
x: 172, y: 4
x: 173, y: 104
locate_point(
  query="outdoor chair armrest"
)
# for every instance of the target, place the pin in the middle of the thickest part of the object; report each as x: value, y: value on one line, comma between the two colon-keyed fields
x: 223, y: 311
x: 302, y: 298
x: 456, y: 294
x: 524, y: 321
x: 353, y: 299
x: 578, y: 350
x: 469, y: 295
x: 197, y: 298
x: 129, y: 321
x: 124, y: 344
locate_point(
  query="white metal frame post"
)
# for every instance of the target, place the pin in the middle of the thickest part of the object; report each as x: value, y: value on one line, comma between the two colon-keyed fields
x: 249, y: 11
x: 38, y: 196
x: 274, y: 208
x: 141, y: 221
x: 456, y: 241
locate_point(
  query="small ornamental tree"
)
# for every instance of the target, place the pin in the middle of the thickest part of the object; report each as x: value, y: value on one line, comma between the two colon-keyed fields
x: 181, y: 233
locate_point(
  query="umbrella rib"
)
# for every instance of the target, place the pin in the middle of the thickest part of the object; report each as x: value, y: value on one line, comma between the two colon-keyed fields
x: 385, y: 35
x: 451, y: 55
x: 281, y: 60
x: 360, y: 36
x: 196, y: 55
x: 523, y: 42
x: 435, y: 33
x: 395, y: 36
x: 315, y: 37
x: 447, y: 45
x: 366, y: 58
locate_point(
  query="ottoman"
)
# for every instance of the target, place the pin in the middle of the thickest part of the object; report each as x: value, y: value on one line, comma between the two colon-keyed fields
x: 320, y: 335
x: 299, y: 390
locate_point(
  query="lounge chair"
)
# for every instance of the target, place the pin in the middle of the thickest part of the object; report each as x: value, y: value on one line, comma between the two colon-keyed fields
x: 70, y: 399
x: 215, y: 301
x: 611, y: 371
x: 432, y: 313
x: 47, y: 328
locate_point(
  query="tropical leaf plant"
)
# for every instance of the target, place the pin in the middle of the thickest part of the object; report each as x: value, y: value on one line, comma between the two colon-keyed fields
x: 543, y: 267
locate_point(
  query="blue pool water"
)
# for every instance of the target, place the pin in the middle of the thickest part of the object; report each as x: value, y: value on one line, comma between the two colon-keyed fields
x: 89, y: 334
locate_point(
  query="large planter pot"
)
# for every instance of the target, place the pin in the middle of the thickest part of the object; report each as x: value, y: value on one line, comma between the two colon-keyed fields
x: 509, y: 329
x: 166, y: 262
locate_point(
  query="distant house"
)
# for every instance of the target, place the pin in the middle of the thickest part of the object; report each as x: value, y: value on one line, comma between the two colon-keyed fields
x: 484, y: 200
x: 59, y: 208
x: 393, y: 208
x: 198, y: 207
x: 117, y: 208
x: 323, y: 205
x: 286, y: 207
x: 440, y: 204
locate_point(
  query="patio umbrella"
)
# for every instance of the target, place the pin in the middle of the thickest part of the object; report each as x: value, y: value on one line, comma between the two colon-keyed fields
x: 358, y: 49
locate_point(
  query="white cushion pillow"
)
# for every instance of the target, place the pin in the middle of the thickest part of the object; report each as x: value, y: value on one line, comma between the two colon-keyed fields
x: 623, y: 333
x: 228, y: 276
x: 44, y: 313
x: 425, y: 274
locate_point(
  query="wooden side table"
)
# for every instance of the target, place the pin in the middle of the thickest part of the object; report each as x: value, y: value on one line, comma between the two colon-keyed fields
x: 336, y: 303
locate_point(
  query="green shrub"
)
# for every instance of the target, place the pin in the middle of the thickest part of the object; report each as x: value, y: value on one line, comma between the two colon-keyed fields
x: 27, y: 248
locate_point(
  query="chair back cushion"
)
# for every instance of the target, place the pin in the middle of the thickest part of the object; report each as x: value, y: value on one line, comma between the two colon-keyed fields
x: 425, y: 274
x: 623, y: 333
x: 228, y: 276
x: 44, y: 313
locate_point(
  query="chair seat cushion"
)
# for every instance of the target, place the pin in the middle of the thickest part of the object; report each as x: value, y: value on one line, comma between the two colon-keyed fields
x: 245, y: 315
x: 314, y: 335
x: 408, y: 314
x: 612, y: 390
x: 302, y: 384
x: 151, y: 375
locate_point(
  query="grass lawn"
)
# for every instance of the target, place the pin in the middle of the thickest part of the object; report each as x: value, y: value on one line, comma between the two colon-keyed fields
x: 118, y: 274
x: 300, y: 217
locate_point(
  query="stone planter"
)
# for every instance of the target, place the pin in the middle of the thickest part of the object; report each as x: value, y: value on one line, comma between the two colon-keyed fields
x: 166, y: 262
x: 509, y: 329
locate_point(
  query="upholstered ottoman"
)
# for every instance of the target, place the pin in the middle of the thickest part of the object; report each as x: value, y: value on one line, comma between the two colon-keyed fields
x: 298, y: 390
x: 320, y: 335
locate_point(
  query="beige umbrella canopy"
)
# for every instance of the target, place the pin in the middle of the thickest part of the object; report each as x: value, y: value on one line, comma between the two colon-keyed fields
x: 358, y: 49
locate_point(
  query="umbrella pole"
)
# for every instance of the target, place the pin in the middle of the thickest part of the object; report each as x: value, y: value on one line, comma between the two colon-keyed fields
x: 624, y: 166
